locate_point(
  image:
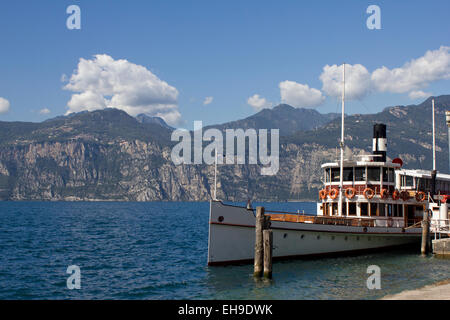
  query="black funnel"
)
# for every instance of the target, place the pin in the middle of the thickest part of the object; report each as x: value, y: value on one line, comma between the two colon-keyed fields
x: 379, y: 146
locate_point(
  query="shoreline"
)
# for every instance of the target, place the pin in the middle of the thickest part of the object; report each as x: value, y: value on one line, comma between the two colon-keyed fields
x: 437, y: 291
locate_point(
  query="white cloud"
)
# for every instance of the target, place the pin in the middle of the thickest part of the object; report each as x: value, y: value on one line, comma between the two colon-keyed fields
x: 357, y: 81
x: 104, y: 82
x: 44, y: 111
x: 207, y: 100
x: 415, y: 74
x: 411, y: 77
x: 4, y: 105
x: 419, y: 94
x: 258, y: 103
x: 300, y: 95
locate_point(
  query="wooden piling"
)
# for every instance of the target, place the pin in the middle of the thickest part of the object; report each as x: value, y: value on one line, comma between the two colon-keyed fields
x: 268, y: 247
x: 425, y: 248
x: 259, y: 249
x: 267, y: 222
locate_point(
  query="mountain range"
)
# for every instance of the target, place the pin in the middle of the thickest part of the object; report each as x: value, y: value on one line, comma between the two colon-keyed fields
x: 283, y: 117
x: 110, y: 155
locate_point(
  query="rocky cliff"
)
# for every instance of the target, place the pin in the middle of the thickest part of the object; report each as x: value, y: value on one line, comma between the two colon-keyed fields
x: 108, y: 155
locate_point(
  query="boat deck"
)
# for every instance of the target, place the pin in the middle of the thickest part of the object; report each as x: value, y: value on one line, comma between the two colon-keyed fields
x: 329, y: 220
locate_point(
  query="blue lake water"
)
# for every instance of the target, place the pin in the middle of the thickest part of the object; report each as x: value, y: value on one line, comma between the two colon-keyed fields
x: 158, y: 250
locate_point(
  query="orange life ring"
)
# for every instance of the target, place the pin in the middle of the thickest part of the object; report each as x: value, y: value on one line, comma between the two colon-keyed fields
x: 404, y: 195
x: 368, y: 193
x: 384, y: 193
x: 323, y: 194
x: 396, y: 195
x: 350, y: 193
x: 420, y: 196
x: 333, y: 193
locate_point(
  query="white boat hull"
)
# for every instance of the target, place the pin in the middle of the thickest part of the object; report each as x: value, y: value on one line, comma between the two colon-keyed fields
x: 232, y: 237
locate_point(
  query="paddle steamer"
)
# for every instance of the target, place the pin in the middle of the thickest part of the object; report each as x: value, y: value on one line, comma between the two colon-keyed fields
x: 381, y: 206
x: 366, y: 203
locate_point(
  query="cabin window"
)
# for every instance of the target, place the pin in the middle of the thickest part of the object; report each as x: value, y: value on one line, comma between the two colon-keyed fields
x: 352, y: 209
x: 325, y: 209
x: 385, y: 175
x: 344, y: 209
x: 327, y: 175
x: 420, y: 185
x: 410, y: 211
x: 425, y: 184
x: 391, y: 175
x: 334, y: 209
x: 407, y: 181
x: 348, y: 174
x: 373, y: 174
x: 388, y: 175
x: 360, y: 174
x: 389, y: 210
x: 419, y: 211
x: 373, y: 209
x: 364, y: 209
x: 382, y: 210
x: 335, y: 175
x: 398, y: 212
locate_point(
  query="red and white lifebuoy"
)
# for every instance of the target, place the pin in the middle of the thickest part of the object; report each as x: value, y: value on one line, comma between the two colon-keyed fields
x: 396, y: 195
x: 368, y: 193
x: 350, y: 193
x: 333, y: 193
x: 404, y: 195
x: 384, y: 193
x: 420, y: 196
x: 323, y: 194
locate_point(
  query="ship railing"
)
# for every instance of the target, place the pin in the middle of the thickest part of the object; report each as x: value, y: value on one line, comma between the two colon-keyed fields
x: 354, y: 222
x: 327, y: 220
x: 292, y: 213
x: 440, y: 226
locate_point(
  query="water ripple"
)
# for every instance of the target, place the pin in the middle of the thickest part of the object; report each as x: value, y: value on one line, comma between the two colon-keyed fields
x: 158, y: 251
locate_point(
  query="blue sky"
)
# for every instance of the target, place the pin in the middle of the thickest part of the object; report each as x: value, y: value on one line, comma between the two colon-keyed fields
x: 228, y: 50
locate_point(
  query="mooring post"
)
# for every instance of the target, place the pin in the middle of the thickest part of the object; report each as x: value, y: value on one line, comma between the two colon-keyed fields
x: 267, y: 222
x: 425, y: 236
x: 268, y: 245
x: 259, y: 253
